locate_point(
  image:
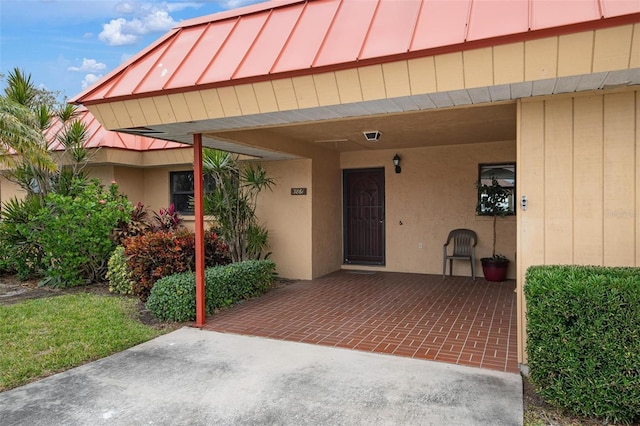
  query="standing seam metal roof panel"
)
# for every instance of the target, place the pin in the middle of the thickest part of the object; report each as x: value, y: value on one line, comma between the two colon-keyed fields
x: 138, y: 73
x: 555, y: 14
x: 488, y: 19
x: 235, y: 48
x: 266, y: 49
x: 612, y: 8
x: 296, y: 36
x: 171, y: 62
x: 343, y: 42
x: 210, y: 40
x: 98, y: 136
x: 392, y: 28
x: 307, y: 36
x: 441, y: 23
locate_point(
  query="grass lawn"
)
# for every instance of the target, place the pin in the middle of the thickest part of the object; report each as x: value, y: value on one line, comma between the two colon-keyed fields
x: 44, y: 336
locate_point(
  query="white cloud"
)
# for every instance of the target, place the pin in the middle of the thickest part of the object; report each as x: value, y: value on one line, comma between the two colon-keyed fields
x: 89, y: 65
x: 233, y: 4
x: 115, y: 34
x: 89, y: 79
x: 125, y: 57
x: 124, y: 7
x: 123, y: 31
x: 139, y: 18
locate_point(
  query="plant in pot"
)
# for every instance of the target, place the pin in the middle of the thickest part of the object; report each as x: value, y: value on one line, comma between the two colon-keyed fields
x: 493, y: 201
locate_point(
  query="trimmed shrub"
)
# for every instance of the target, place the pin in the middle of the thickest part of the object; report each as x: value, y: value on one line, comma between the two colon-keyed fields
x: 118, y: 273
x: 155, y: 255
x: 583, y: 339
x: 173, y: 298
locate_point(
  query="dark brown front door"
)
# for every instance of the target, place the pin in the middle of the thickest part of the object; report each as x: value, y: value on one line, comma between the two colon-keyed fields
x: 364, y: 216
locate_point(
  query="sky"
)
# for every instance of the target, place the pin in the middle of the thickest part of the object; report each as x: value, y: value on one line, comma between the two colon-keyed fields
x: 67, y: 45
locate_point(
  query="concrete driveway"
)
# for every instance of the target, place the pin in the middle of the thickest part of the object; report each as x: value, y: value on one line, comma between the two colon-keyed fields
x: 197, y: 377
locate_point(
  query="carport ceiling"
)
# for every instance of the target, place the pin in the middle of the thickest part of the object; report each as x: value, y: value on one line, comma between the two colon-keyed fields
x: 476, y: 124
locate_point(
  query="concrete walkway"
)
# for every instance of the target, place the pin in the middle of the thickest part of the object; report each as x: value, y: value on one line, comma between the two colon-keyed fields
x: 196, y: 377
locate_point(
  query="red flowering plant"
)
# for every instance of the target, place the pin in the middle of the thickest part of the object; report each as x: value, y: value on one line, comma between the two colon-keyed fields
x: 157, y: 254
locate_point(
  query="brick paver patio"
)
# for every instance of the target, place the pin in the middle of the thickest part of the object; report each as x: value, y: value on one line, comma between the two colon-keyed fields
x: 455, y: 320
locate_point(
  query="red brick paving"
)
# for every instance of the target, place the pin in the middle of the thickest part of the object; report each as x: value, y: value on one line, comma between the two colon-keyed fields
x: 455, y: 320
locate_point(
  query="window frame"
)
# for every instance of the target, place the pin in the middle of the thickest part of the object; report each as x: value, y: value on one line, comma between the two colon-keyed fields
x: 484, y: 166
x: 190, y: 193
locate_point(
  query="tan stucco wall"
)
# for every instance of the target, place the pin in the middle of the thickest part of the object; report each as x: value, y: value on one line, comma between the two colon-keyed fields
x: 103, y: 173
x: 578, y: 162
x: 9, y: 190
x: 131, y: 182
x: 434, y: 194
x: 327, y: 214
x: 288, y: 217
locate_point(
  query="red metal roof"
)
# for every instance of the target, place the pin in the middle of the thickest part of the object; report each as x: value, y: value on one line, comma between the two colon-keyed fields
x: 99, y: 137
x: 275, y: 38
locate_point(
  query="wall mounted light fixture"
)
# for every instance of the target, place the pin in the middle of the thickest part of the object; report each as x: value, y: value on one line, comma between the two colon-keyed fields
x: 396, y: 163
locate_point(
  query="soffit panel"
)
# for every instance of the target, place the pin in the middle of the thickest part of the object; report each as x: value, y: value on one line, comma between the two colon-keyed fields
x: 406, y: 122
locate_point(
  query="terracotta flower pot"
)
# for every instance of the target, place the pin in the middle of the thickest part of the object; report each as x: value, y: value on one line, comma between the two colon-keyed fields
x: 494, y: 269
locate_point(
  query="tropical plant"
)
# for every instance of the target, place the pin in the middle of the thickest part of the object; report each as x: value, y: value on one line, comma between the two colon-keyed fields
x: 154, y: 255
x: 233, y: 202
x: 167, y: 219
x: 30, y: 120
x: 19, y: 232
x: 118, y: 274
x: 136, y: 224
x: 22, y: 125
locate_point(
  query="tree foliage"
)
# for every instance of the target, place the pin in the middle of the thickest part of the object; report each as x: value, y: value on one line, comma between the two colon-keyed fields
x: 233, y: 202
x: 30, y: 120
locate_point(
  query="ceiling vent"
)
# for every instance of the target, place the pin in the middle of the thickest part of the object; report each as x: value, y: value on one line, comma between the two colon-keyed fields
x: 372, y: 135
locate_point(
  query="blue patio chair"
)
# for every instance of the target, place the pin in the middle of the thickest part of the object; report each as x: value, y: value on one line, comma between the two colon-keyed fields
x: 464, y: 248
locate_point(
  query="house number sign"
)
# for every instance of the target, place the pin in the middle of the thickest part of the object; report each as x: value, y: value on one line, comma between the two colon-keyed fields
x: 298, y: 191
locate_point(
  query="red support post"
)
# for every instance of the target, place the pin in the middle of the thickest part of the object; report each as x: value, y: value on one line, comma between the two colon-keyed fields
x: 198, y: 184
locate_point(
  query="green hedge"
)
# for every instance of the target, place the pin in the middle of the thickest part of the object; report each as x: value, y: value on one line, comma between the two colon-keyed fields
x: 173, y: 298
x: 583, y: 339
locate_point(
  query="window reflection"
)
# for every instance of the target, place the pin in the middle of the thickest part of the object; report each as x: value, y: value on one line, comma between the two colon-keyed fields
x: 505, y: 174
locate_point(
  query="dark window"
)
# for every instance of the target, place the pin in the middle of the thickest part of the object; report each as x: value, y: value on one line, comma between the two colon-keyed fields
x: 505, y: 174
x: 181, y: 190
